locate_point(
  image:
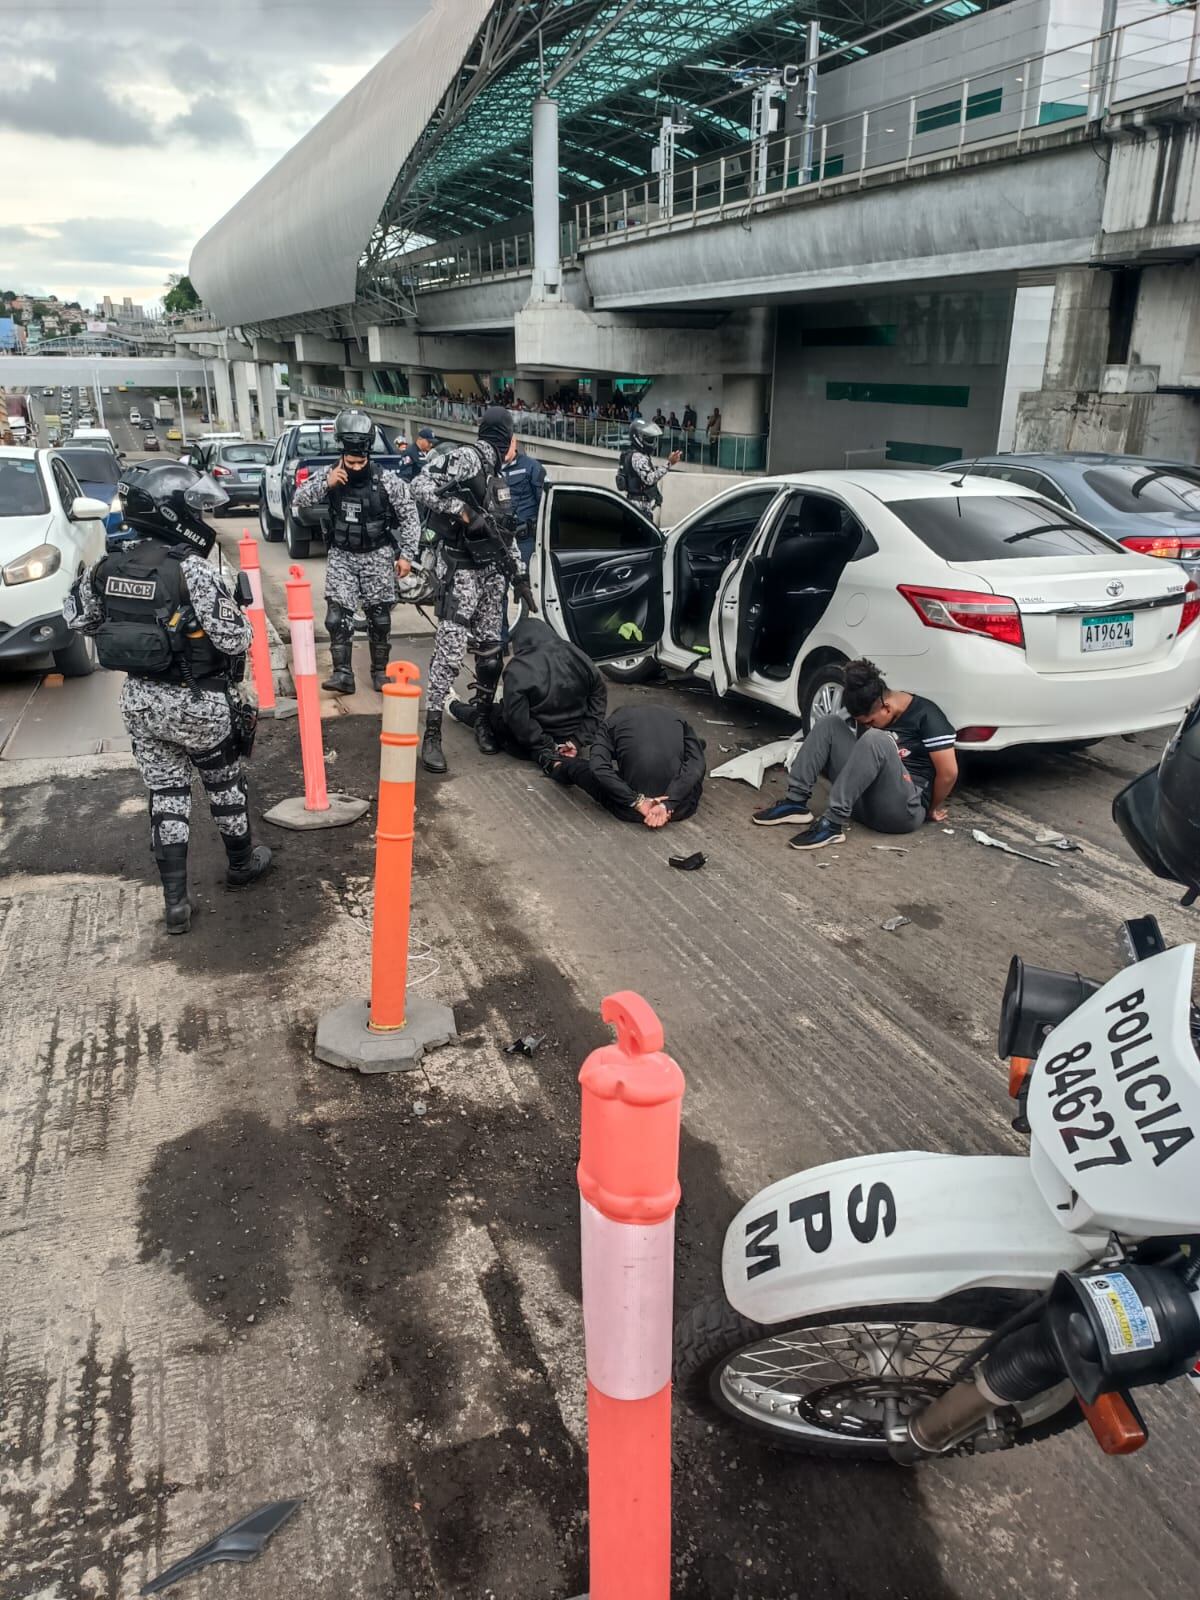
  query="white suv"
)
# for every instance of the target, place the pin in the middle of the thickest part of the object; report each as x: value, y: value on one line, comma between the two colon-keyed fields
x: 49, y: 532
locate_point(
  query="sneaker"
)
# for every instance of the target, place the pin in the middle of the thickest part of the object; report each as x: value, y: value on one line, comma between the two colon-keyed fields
x: 782, y: 811
x: 822, y: 832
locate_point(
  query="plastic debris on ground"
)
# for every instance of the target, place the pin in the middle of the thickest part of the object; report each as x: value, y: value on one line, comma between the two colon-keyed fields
x: 893, y: 923
x: 751, y: 766
x: 691, y: 863
x: 998, y: 844
x: 1058, y: 840
x: 241, y: 1541
x: 892, y: 849
x: 525, y: 1046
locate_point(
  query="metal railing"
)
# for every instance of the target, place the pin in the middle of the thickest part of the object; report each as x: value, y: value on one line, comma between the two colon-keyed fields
x: 726, y: 452
x: 1152, y: 58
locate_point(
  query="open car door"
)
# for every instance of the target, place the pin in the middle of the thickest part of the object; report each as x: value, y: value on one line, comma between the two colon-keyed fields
x: 733, y: 626
x: 598, y: 572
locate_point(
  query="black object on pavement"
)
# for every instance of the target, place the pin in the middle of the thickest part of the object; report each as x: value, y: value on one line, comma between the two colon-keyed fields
x: 525, y: 1046
x: 241, y: 1541
x: 691, y: 863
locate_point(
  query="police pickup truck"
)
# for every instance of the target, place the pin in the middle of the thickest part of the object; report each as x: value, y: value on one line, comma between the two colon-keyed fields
x: 299, y: 450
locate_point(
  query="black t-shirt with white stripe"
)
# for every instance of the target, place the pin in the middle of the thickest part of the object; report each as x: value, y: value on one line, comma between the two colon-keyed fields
x: 921, y: 728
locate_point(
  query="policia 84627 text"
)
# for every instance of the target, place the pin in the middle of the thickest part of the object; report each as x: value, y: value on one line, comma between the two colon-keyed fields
x: 160, y: 613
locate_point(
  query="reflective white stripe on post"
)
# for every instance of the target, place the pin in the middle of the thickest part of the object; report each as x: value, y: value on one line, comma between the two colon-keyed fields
x: 304, y: 648
x: 628, y: 1279
x: 398, y: 763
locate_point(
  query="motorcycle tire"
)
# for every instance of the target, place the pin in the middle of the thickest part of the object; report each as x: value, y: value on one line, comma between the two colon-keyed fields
x: 710, y: 1336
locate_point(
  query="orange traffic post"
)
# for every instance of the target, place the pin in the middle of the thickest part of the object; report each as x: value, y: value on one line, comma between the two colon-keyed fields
x: 392, y: 1030
x: 317, y: 808
x: 629, y: 1190
x: 260, y: 644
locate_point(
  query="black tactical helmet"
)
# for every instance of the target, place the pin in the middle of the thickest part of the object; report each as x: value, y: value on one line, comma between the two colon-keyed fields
x: 1159, y: 813
x: 496, y: 429
x: 644, y: 435
x: 166, y: 500
x: 355, y: 432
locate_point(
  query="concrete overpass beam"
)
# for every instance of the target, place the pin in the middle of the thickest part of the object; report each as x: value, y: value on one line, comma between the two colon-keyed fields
x: 271, y: 350
x: 403, y: 347
x: 316, y: 349
x: 563, y: 338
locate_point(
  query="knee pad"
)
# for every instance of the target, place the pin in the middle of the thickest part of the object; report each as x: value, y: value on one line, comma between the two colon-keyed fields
x: 379, y: 620
x: 339, y: 621
x: 488, y: 665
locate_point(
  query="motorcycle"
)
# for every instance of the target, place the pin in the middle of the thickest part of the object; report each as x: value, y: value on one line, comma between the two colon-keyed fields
x: 914, y: 1305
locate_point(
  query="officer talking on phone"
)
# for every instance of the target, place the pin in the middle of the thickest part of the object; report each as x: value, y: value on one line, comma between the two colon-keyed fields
x: 160, y: 613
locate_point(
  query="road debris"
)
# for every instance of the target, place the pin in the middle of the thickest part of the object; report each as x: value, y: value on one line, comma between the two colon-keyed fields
x: 892, y: 849
x: 751, y: 766
x: 1058, y: 840
x: 241, y: 1541
x: 419, y: 1108
x: 691, y: 863
x: 998, y: 844
x: 894, y: 923
x: 526, y: 1045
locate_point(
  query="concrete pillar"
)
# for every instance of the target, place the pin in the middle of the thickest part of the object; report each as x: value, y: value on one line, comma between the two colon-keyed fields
x: 531, y: 390
x: 419, y: 384
x: 268, y: 409
x: 355, y: 379
x: 545, y: 200
x: 243, y: 407
x: 1032, y: 309
x: 743, y: 404
x: 1077, y: 346
x: 223, y: 396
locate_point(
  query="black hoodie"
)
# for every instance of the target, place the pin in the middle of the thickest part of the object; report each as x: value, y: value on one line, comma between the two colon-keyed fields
x: 552, y: 691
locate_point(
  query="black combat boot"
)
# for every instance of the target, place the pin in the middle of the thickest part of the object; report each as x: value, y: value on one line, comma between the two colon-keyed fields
x: 464, y: 711
x: 247, y: 862
x: 487, y: 679
x: 172, y: 869
x: 381, y: 650
x: 485, y: 733
x: 341, y: 679
x: 432, y: 758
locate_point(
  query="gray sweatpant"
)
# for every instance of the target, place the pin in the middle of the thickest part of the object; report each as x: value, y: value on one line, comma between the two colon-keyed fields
x: 867, y: 777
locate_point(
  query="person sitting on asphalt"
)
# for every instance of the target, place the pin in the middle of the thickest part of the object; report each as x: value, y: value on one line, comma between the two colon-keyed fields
x: 897, y: 770
x: 646, y: 765
x: 553, y: 702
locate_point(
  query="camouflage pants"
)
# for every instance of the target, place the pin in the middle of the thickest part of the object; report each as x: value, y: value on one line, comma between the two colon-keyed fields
x: 175, y: 731
x: 360, y: 578
x: 474, y: 609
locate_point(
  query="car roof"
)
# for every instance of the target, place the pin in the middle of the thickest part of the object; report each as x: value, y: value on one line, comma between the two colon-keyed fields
x: 1069, y: 458
x: 20, y: 452
x: 892, y: 485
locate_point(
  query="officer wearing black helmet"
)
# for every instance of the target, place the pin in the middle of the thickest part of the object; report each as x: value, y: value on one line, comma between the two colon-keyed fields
x: 638, y: 474
x: 160, y: 613
x: 1159, y: 813
x: 470, y: 509
x: 374, y: 532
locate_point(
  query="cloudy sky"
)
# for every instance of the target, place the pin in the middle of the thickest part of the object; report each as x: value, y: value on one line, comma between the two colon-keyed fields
x: 127, y: 129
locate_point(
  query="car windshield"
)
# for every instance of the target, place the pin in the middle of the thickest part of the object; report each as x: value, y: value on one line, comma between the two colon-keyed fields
x: 22, y: 492
x: 1134, y: 487
x: 92, y: 466
x: 246, y: 455
x: 987, y: 527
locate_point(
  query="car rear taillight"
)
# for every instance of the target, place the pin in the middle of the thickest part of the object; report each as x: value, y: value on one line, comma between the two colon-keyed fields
x: 302, y: 473
x: 1191, y: 607
x: 221, y: 472
x: 966, y: 611
x: 1167, y: 546
x: 974, y: 735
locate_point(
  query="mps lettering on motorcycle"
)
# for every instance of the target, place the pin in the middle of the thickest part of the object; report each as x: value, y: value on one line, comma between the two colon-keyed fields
x: 868, y: 1213
x: 1115, y: 1096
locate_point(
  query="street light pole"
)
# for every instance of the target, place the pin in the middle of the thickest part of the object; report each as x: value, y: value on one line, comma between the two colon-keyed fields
x: 182, y: 413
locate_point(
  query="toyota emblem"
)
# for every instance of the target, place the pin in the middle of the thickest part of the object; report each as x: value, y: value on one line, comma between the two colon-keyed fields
x: 1115, y: 588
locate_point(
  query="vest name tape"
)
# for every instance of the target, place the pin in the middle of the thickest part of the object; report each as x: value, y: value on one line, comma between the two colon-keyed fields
x: 130, y: 588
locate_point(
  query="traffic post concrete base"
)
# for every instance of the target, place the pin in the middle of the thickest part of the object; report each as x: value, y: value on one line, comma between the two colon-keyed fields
x: 345, y: 1039
x: 293, y: 813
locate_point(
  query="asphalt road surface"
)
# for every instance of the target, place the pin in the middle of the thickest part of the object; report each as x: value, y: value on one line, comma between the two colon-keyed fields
x: 232, y: 1274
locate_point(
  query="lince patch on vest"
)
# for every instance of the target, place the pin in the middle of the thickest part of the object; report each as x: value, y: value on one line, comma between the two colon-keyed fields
x: 130, y: 588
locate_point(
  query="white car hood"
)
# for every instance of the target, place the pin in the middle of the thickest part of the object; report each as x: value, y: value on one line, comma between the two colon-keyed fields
x: 19, y: 534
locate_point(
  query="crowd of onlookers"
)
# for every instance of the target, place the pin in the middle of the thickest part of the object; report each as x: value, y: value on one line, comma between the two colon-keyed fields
x: 575, y: 414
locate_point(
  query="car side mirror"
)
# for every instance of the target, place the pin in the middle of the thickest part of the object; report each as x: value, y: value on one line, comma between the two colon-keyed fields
x: 85, y: 509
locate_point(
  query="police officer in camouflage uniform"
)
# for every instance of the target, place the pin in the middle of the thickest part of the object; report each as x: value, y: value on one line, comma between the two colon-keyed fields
x: 470, y: 509
x: 638, y: 475
x: 374, y: 532
x: 160, y: 613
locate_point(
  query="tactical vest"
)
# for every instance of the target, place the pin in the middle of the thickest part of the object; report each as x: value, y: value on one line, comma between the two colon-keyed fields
x: 632, y: 486
x: 143, y: 592
x: 360, y: 514
x: 488, y: 495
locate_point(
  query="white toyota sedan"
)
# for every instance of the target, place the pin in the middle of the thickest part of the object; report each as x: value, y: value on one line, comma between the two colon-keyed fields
x: 1023, y: 622
x: 49, y: 531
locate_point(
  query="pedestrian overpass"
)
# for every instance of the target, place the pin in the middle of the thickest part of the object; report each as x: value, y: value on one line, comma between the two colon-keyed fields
x: 143, y: 372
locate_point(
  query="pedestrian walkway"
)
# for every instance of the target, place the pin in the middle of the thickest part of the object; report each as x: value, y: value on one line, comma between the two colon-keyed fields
x: 45, y: 716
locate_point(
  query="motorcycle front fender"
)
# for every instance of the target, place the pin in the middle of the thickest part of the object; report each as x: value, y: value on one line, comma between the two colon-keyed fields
x: 906, y: 1227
